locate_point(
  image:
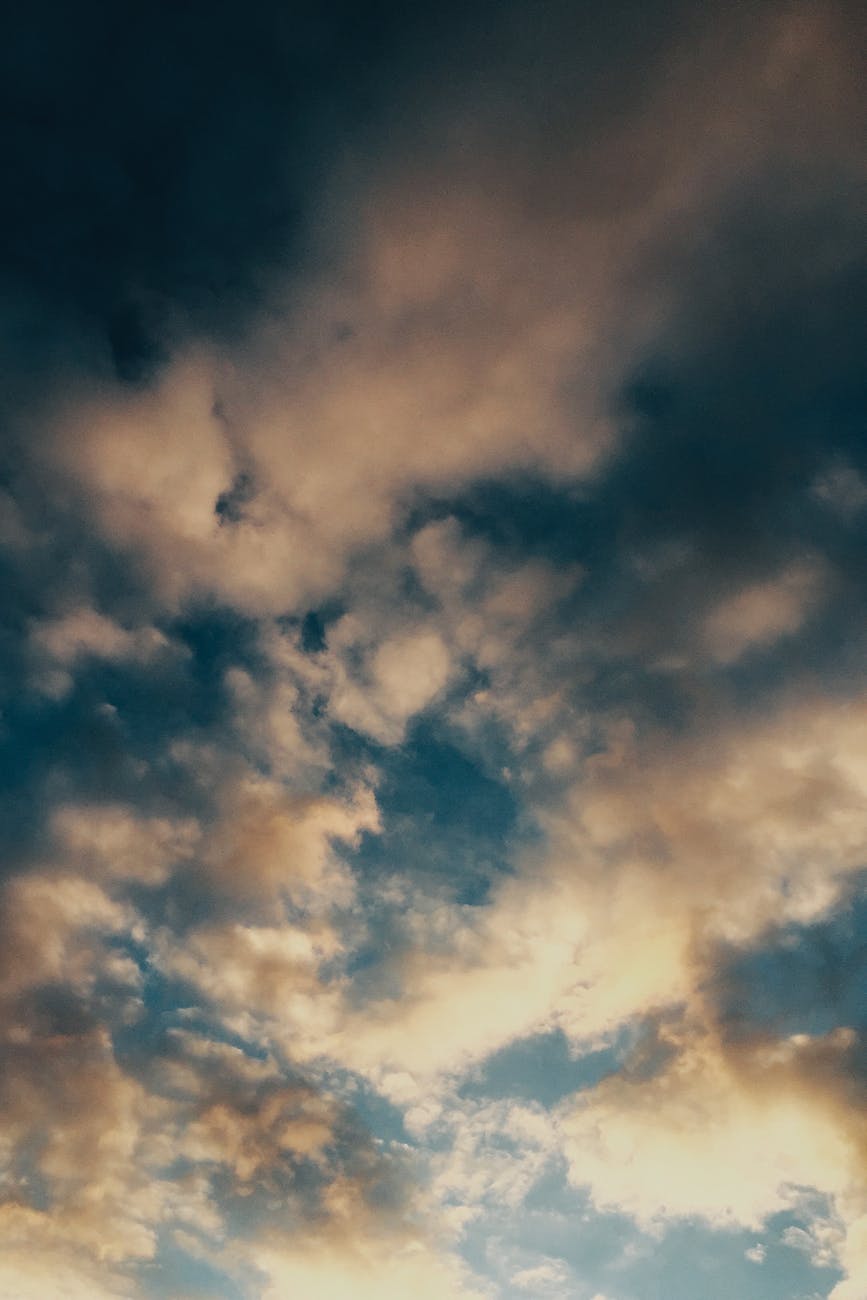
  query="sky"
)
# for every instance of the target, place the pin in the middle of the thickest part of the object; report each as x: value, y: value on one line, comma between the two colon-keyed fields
x: 433, y: 725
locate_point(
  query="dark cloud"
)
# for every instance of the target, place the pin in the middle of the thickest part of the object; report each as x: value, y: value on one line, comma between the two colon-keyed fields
x: 162, y: 162
x: 161, y: 157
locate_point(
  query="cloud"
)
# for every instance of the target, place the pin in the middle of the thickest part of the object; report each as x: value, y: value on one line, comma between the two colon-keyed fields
x: 761, y: 614
x: 405, y: 674
x: 493, y: 401
x: 99, y: 1150
x: 497, y: 1154
x: 759, y: 1117
x: 117, y: 843
x: 86, y: 632
x: 430, y: 506
x: 267, y: 842
x: 542, y: 1278
x: 369, y: 1270
x: 853, y: 1259
x: 619, y: 922
x: 357, y: 1250
x: 60, y: 646
x: 53, y: 924
x: 645, y: 1146
x: 842, y: 488
x: 31, y: 1269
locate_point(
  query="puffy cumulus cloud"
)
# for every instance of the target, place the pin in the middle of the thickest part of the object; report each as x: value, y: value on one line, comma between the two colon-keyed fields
x: 33, y: 1268
x: 554, y: 277
x: 760, y: 824
x: 505, y: 970
x: 269, y: 715
x: 496, y: 1154
x: 358, y: 1259
x: 196, y: 1067
x: 852, y: 1258
x: 340, y: 1214
x: 346, y: 1270
x: 402, y: 676
x: 81, y: 1142
x: 328, y: 1209
x: 760, y: 614
x: 54, y: 925
x: 267, y: 842
x: 242, y: 1117
x: 84, y: 633
x: 249, y: 1124
x: 83, y: 1148
x: 260, y: 837
x: 311, y: 459
x: 153, y: 465
x: 259, y: 976
x: 114, y: 842
x: 702, y: 1138
x: 414, y: 366
x: 464, y: 609
x: 266, y: 850
x: 821, y: 1241
x: 286, y: 1122
x: 99, y: 1160
x: 465, y: 332
x: 409, y: 672
x: 489, y: 602
x: 439, y: 299
x: 538, y: 956
x: 616, y: 924
x: 551, y: 1276
x: 660, y: 853
x: 731, y: 1136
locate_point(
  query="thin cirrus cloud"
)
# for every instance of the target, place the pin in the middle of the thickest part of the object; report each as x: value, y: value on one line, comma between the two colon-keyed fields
x: 432, y: 714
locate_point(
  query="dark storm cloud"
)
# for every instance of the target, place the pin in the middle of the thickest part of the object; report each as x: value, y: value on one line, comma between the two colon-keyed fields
x: 152, y: 157
x: 161, y: 160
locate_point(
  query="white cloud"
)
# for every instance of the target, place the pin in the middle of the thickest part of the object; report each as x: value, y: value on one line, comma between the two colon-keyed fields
x: 37, y: 1270
x: 112, y: 841
x: 85, y: 631
x: 547, y: 1278
x: 404, y: 673
x: 763, y: 1120
x: 61, y: 643
x: 496, y: 1152
x: 762, y: 613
